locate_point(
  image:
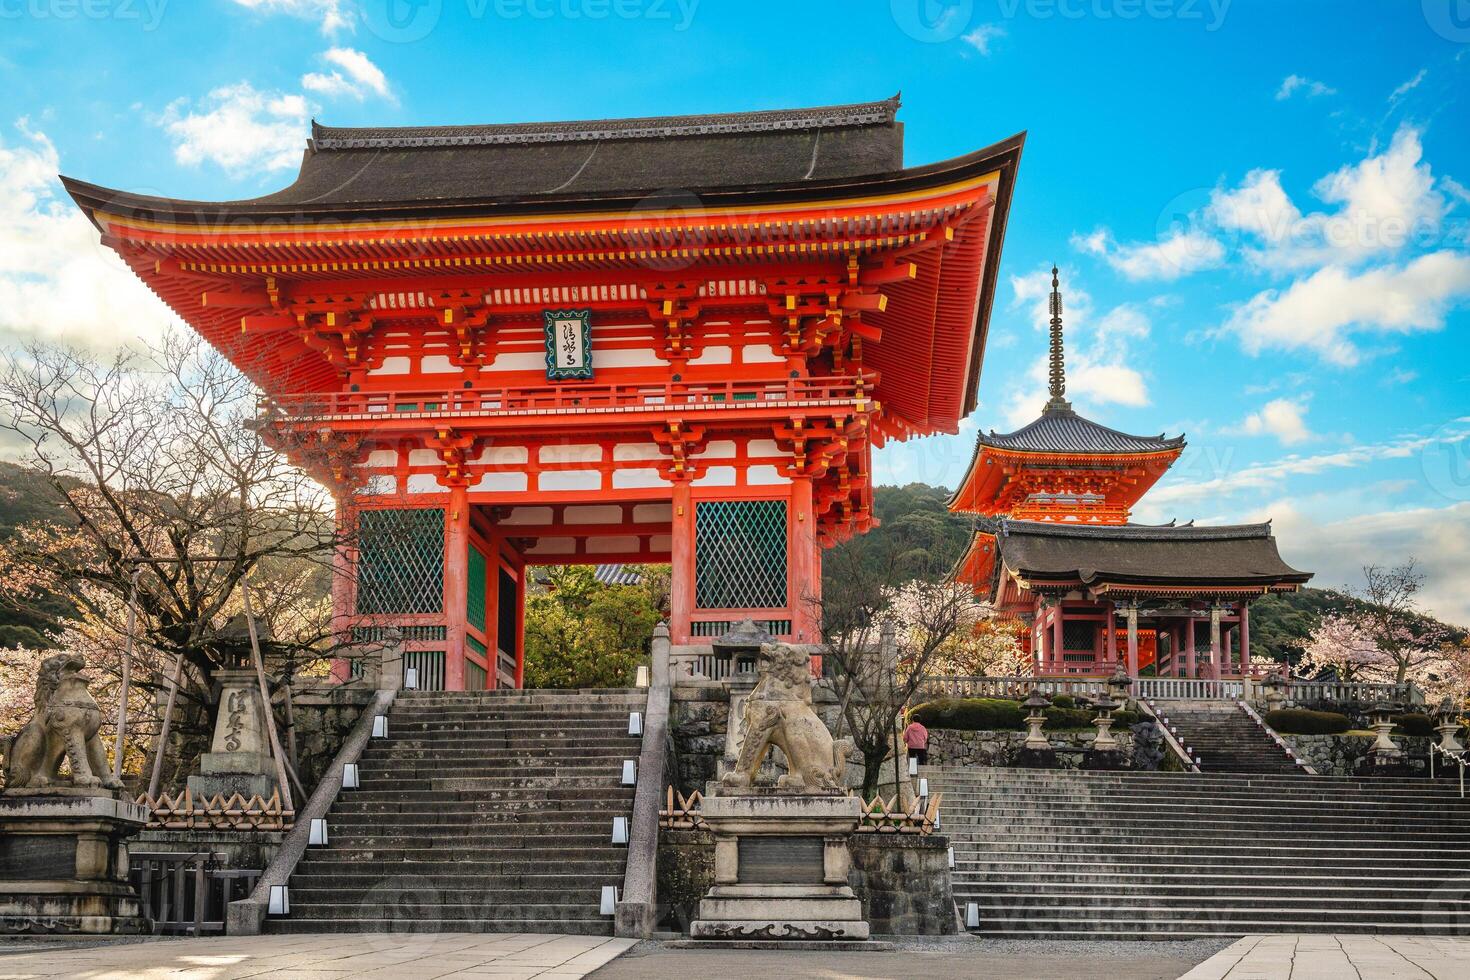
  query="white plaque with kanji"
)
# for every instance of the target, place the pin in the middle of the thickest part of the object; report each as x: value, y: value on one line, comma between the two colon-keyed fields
x: 568, y: 344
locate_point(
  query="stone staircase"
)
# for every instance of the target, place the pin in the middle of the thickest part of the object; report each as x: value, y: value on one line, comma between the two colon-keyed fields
x: 480, y: 812
x: 1068, y: 854
x: 1226, y: 739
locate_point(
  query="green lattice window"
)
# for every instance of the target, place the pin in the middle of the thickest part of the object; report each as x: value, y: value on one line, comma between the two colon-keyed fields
x: 400, y: 561
x: 740, y: 554
x: 474, y: 603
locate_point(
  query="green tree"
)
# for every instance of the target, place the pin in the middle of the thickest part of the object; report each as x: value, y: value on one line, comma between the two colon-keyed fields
x: 582, y: 633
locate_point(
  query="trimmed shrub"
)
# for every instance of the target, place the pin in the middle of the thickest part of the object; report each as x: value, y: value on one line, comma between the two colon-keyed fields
x: 1064, y: 701
x: 971, y: 714
x: 1415, y: 724
x: 1301, y: 721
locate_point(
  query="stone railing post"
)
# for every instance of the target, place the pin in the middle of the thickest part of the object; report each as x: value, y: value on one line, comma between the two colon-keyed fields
x: 637, y: 908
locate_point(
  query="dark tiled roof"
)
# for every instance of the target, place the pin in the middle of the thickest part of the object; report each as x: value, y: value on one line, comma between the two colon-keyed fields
x: 640, y: 156
x: 1064, y: 431
x: 1243, y: 554
x: 648, y: 127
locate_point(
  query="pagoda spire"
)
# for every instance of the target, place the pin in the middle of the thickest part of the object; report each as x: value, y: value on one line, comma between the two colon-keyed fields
x: 1057, y: 369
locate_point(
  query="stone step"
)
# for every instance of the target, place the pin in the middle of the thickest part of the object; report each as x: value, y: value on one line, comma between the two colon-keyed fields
x: 1222, y: 852
x: 583, y: 926
x: 1286, y: 896
x: 421, y: 867
x: 975, y: 874
x: 1308, y: 918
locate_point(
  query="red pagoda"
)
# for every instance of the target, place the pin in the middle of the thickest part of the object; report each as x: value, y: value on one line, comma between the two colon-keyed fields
x: 1053, y: 547
x: 638, y: 340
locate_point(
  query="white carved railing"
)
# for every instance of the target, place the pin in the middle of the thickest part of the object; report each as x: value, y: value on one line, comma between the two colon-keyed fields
x: 1300, y: 691
x: 1009, y: 687
x: 1187, y: 689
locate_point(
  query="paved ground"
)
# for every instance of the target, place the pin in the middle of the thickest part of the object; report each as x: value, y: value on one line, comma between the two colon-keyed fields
x: 320, y: 957
x: 429, y: 957
x: 1338, y: 958
x: 959, y: 958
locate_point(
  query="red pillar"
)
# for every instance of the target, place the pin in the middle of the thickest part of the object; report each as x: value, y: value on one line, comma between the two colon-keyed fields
x: 805, y: 579
x: 456, y: 585
x: 1245, y: 636
x: 520, y: 637
x: 1193, y: 668
x: 1058, y: 646
x: 681, y: 561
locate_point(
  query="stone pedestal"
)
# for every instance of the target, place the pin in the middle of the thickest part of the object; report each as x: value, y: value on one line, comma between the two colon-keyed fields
x: 781, y: 869
x: 64, y: 864
x: 239, y: 756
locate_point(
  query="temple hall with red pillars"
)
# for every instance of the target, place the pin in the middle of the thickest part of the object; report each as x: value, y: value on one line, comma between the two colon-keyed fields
x: 672, y: 339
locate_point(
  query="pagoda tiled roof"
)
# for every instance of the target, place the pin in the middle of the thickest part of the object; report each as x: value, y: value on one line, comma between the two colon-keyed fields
x: 1061, y: 430
x: 1241, y: 554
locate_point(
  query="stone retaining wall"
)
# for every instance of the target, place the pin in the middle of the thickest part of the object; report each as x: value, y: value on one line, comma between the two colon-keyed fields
x: 1141, y: 744
x: 1339, y: 755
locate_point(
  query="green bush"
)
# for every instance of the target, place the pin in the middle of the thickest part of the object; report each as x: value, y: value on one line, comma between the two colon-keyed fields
x: 1415, y: 724
x: 996, y: 714
x: 1300, y: 721
x: 1064, y: 701
x: 971, y: 714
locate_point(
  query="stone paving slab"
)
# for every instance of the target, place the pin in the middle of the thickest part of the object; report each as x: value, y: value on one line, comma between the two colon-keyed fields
x: 1338, y: 958
x: 415, y: 956
x: 935, y: 958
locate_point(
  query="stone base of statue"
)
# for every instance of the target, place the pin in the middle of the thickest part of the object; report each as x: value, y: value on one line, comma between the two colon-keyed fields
x: 1036, y: 758
x: 1103, y: 760
x: 781, y: 864
x: 64, y: 863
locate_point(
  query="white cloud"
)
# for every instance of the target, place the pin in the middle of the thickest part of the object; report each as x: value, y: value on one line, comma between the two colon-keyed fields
x: 981, y: 37
x: 57, y: 281
x: 1201, y: 480
x: 1408, y: 86
x: 1438, y: 537
x: 361, y: 77
x: 239, y: 128
x: 1281, y: 417
x: 1292, y: 84
x: 334, y: 16
x: 1324, y: 311
x: 1178, y: 254
x: 1385, y: 202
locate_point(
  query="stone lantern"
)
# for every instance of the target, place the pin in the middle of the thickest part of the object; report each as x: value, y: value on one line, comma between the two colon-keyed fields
x: 1275, y: 691
x: 1036, y: 752
x: 1119, y: 685
x: 1385, y: 753
x: 1035, y: 705
x: 1448, y: 715
x: 1105, y: 705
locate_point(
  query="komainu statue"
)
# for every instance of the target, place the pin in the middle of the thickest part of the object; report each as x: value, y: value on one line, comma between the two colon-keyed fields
x: 778, y: 711
x: 64, y: 726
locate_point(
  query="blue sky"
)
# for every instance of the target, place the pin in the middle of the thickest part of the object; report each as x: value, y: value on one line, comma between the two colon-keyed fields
x: 1260, y: 208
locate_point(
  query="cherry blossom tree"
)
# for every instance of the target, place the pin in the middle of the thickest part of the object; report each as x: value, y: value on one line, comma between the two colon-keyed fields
x: 165, y: 484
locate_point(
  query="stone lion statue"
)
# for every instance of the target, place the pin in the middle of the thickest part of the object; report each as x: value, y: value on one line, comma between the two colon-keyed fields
x: 778, y: 711
x: 64, y: 725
